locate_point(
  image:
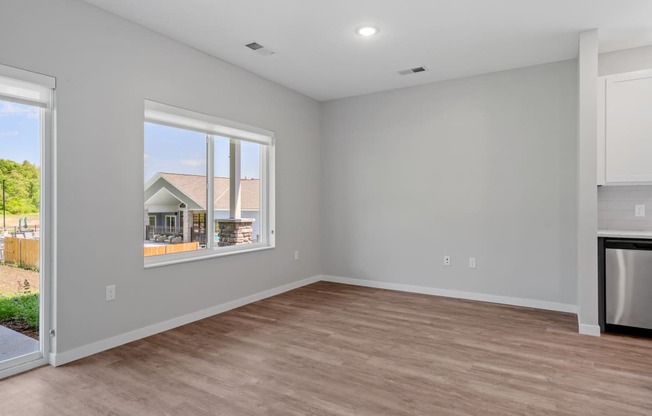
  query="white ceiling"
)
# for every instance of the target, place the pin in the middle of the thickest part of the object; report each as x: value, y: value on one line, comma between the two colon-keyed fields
x: 319, y: 54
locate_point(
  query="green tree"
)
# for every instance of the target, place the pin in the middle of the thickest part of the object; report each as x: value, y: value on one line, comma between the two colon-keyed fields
x: 22, y: 191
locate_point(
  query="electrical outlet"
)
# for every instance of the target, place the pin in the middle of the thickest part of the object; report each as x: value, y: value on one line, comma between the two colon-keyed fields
x: 447, y: 260
x: 110, y: 292
x: 639, y: 210
x: 472, y: 262
x: 296, y: 254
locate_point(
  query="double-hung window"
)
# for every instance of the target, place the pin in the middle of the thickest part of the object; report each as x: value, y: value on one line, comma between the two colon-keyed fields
x: 208, y: 186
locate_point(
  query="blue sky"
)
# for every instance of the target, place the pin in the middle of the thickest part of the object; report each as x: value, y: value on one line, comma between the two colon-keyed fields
x: 168, y: 149
x: 19, y: 132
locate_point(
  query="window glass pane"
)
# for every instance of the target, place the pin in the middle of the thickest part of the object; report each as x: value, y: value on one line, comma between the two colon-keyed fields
x: 20, y: 170
x: 175, y: 190
x: 250, y: 186
x: 247, y: 230
x: 20, y: 226
x: 222, y: 189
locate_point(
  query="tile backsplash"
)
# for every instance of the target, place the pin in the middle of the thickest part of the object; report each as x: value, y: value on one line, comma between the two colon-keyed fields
x: 616, y: 207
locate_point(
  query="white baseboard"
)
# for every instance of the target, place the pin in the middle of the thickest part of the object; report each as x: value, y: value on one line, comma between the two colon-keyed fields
x: 593, y: 330
x: 105, y: 344
x: 529, y: 303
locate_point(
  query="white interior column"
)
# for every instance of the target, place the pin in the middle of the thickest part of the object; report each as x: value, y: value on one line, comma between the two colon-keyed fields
x: 587, y: 191
x: 235, y: 205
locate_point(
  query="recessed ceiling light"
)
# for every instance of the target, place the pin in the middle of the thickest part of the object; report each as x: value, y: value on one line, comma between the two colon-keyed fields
x: 367, y: 31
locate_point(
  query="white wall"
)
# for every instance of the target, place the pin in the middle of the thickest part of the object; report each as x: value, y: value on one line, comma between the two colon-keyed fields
x: 105, y: 67
x: 479, y: 167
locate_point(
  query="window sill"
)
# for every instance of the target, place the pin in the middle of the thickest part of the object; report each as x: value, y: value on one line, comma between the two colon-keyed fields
x: 169, y: 259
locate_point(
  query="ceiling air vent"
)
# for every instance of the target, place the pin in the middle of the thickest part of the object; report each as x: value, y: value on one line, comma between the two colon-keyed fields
x: 412, y: 70
x: 254, y: 46
x: 259, y: 49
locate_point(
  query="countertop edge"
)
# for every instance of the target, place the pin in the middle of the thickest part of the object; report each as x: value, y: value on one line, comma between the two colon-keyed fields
x: 625, y: 234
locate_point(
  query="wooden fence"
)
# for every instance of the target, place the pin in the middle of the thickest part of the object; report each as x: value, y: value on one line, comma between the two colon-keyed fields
x: 25, y: 251
x: 21, y: 251
x: 170, y: 248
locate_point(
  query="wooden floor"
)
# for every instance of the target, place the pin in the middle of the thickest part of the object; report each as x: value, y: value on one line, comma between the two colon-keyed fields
x: 330, y: 349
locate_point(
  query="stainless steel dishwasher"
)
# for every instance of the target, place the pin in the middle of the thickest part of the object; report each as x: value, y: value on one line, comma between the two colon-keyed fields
x: 628, y: 284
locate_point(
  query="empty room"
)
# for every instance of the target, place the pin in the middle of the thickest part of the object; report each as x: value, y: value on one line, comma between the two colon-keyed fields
x: 352, y: 207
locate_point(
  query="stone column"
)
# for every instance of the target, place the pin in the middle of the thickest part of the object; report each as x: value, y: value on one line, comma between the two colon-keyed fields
x: 235, y: 232
x: 187, y: 223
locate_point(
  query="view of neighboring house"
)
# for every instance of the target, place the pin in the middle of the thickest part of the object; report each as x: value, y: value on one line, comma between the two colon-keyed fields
x: 175, y: 204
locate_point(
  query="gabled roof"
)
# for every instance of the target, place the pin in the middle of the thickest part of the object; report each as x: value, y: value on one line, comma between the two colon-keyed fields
x: 194, y: 186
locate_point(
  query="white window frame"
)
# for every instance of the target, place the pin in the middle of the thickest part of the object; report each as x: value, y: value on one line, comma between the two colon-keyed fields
x: 37, y: 90
x: 149, y: 219
x: 176, y: 117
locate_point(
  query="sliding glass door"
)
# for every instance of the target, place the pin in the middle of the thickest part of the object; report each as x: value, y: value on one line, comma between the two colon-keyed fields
x: 25, y: 186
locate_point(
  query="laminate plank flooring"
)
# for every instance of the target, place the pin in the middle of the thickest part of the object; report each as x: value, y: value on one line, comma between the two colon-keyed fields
x: 332, y: 349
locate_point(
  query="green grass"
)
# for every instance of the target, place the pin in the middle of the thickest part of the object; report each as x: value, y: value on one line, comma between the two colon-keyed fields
x: 22, y: 307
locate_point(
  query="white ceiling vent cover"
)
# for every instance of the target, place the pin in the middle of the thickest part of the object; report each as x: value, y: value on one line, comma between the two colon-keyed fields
x: 413, y: 70
x: 259, y: 49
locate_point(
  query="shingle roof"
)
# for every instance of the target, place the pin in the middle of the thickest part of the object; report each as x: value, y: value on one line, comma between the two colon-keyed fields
x: 195, y: 187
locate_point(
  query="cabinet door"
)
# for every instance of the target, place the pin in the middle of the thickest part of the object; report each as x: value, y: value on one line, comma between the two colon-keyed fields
x: 629, y: 128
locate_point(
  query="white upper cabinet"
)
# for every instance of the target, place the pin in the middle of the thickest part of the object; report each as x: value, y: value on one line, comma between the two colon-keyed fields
x: 625, y: 129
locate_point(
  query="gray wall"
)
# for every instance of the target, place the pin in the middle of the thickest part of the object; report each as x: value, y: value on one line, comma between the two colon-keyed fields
x: 105, y: 67
x: 479, y: 167
x: 625, y: 61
